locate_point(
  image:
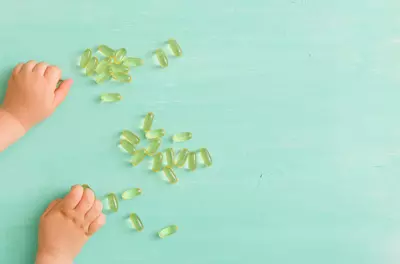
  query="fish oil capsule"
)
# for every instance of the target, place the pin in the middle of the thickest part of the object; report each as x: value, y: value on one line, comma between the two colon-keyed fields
x: 192, y: 161
x: 131, y: 137
x: 132, y: 62
x: 175, y: 48
x: 180, y: 137
x: 127, y: 146
x: 85, y: 58
x: 169, y: 230
x: 121, y: 77
x: 148, y: 122
x: 110, y: 97
x: 119, y: 55
x: 162, y: 58
x: 103, y: 67
x: 153, y: 134
x: 136, y: 222
x: 115, y: 68
x: 91, y: 66
x: 170, y: 175
x: 112, y: 202
x: 138, y: 157
x: 169, y: 155
x: 206, y: 157
x: 152, y: 148
x: 157, y: 162
x: 106, y: 51
x: 131, y: 193
x: 101, y: 78
x: 182, y: 157
x: 85, y: 186
x: 59, y: 83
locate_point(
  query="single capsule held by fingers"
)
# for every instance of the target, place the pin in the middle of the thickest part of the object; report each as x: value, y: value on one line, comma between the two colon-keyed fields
x: 112, y: 202
x: 121, y: 77
x: 180, y: 137
x: 131, y: 137
x: 131, y: 193
x: 110, y: 97
x: 59, y: 83
x: 153, y: 146
x: 206, y: 157
x: 116, y: 68
x: 132, y: 62
x: 182, y: 157
x: 175, y: 48
x: 136, y: 222
x: 119, y: 55
x: 157, y: 162
x: 157, y: 133
x: 169, y: 230
x: 101, y: 78
x: 103, y: 67
x: 91, y: 66
x: 148, y: 122
x: 161, y: 57
x: 85, y: 58
x: 85, y: 186
x: 170, y: 175
x: 106, y: 50
x: 127, y: 146
x: 138, y: 157
x: 192, y: 161
x: 169, y: 155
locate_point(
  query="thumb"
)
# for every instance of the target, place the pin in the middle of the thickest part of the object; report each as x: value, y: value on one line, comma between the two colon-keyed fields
x: 62, y: 91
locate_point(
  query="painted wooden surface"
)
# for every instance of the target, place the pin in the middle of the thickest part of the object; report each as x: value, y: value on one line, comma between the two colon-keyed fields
x: 303, y: 92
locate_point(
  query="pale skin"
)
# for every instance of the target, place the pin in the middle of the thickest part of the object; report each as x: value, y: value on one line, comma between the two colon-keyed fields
x: 68, y: 223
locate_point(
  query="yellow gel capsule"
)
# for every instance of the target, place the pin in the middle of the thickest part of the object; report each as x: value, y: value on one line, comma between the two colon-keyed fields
x: 59, y: 83
x: 153, y: 146
x: 121, y: 77
x: 106, y: 51
x: 157, y: 162
x: 170, y: 175
x: 101, y: 78
x: 103, y: 67
x: 180, y: 137
x: 85, y: 58
x: 138, y: 157
x: 118, y: 68
x: 148, y: 122
x: 132, y: 62
x: 161, y: 57
x: 169, y: 230
x: 119, y: 55
x: 169, y: 155
x: 153, y: 134
x: 131, y: 193
x: 85, y: 186
x: 175, y: 48
x: 127, y: 146
x: 110, y: 97
x: 192, y: 161
x: 136, y: 222
x: 131, y: 137
x: 206, y: 157
x: 182, y: 157
x: 112, y: 202
x: 91, y: 66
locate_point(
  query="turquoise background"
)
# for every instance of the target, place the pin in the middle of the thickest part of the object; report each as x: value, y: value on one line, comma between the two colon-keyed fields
x: 304, y: 92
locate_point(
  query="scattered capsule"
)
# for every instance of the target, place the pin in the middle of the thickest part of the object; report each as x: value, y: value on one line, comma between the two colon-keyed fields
x: 103, y: 67
x: 175, y: 48
x: 110, y: 97
x: 206, y: 157
x: 106, y: 51
x: 132, y: 62
x: 192, y: 161
x: 148, y: 122
x: 169, y: 230
x: 170, y: 175
x: 131, y: 137
x: 153, y: 146
x: 169, y: 155
x: 121, y: 77
x: 157, y: 162
x: 131, y: 193
x: 182, y: 157
x: 161, y: 57
x: 102, y: 78
x: 153, y: 134
x: 180, y: 137
x: 136, y: 222
x: 119, y: 55
x: 112, y: 202
x: 138, y: 157
x: 127, y: 146
x: 85, y: 58
x: 91, y: 66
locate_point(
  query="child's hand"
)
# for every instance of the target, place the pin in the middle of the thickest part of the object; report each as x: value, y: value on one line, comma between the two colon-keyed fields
x: 67, y: 224
x: 32, y: 96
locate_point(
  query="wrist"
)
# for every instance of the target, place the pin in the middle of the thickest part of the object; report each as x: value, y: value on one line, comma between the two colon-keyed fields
x: 10, y: 129
x: 47, y: 258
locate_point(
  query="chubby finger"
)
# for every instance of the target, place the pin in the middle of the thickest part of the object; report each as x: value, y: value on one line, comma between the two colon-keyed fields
x: 72, y: 199
x: 62, y: 91
x: 28, y: 67
x: 53, y: 74
x: 40, y: 68
x: 17, y: 68
x: 97, y: 224
x: 86, y: 202
x: 93, y: 213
